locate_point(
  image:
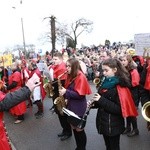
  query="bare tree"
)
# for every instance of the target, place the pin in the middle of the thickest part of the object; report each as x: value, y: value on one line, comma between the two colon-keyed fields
x: 69, y: 33
x: 76, y: 29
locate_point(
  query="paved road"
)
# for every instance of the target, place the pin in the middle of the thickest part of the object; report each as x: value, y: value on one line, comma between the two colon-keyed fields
x: 41, y: 134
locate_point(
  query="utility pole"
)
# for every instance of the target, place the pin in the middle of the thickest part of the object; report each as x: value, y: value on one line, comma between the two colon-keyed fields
x: 53, y: 33
x: 24, y: 45
x: 23, y: 36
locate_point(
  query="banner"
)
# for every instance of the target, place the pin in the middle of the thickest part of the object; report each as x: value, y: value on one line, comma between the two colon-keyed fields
x: 6, y: 60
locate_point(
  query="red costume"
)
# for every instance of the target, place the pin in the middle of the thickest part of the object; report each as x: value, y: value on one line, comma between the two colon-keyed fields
x: 20, y: 108
x: 135, y: 77
x: 147, y: 81
x: 127, y: 104
x: 58, y: 70
x: 4, y: 144
x: 81, y: 84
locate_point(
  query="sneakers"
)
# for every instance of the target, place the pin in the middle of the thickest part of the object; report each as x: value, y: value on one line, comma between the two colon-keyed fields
x: 18, y: 121
x: 38, y: 115
x: 61, y: 134
x: 65, y: 137
x: 133, y: 133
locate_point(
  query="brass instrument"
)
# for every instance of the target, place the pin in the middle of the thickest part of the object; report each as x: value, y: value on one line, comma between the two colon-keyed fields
x: 49, y: 89
x: 146, y: 111
x: 96, y: 81
x: 60, y: 101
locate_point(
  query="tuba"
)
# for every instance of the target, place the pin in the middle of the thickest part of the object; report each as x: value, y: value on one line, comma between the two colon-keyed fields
x: 146, y: 111
x: 60, y: 101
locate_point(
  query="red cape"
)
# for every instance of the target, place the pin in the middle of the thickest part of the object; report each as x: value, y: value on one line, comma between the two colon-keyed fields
x: 127, y: 104
x: 81, y: 84
x: 147, y: 81
x: 135, y: 77
x: 58, y: 70
x: 4, y: 145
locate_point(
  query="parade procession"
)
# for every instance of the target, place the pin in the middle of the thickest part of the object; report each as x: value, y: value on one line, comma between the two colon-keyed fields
x: 115, y: 85
x: 74, y: 75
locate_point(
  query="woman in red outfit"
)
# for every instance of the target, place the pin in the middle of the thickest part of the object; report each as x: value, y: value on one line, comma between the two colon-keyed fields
x: 130, y: 65
x: 14, y: 83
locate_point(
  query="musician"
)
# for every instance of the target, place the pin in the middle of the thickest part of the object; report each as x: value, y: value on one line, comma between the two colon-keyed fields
x: 114, y: 102
x: 10, y: 100
x: 59, y: 67
x: 75, y: 91
x: 129, y: 64
x: 39, y: 92
x: 145, y: 86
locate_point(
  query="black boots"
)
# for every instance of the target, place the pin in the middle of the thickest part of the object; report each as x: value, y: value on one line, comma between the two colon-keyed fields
x: 80, y: 138
x: 127, y: 130
x: 39, y: 113
x: 133, y: 133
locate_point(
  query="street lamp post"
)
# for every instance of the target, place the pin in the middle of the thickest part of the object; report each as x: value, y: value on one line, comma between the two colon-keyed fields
x: 24, y: 45
x: 23, y: 35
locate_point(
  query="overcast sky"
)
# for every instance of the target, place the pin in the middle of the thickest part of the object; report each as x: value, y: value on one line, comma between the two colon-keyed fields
x: 116, y: 20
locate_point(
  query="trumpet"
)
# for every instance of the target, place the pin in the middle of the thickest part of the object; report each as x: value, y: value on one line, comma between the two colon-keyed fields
x: 146, y: 111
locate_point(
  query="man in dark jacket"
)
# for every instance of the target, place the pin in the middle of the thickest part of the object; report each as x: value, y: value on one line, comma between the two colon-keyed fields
x: 10, y: 100
x: 13, y: 98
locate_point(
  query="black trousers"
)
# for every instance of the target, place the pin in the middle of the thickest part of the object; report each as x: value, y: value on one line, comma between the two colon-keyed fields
x: 131, y: 123
x: 112, y: 142
x: 64, y: 124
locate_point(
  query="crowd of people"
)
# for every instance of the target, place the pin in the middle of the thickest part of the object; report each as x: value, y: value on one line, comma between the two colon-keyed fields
x: 123, y: 82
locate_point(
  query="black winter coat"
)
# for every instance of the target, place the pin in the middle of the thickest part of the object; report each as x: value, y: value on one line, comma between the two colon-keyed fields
x: 109, y: 120
x: 13, y: 98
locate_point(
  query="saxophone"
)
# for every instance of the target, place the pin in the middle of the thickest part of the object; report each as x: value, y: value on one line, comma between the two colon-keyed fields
x: 60, y: 101
x: 49, y: 89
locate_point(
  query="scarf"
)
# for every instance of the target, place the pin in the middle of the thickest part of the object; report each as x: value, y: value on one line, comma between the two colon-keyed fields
x: 110, y: 82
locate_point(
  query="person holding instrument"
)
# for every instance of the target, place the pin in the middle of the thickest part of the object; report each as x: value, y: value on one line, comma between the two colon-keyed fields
x: 75, y: 91
x: 114, y: 102
x: 10, y: 100
x: 59, y: 69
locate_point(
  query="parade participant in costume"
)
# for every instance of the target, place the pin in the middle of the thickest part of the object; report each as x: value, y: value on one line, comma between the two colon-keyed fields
x: 39, y: 92
x: 129, y: 64
x: 139, y: 60
x: 3, y: 73
x: 8, y: 101
x: 145, y: 86
x: 75, y: 91
x: 25, y: 76
x: 14, y: 83
x: 59, y: 67
x: 24, y: 72
x: 114, y: 102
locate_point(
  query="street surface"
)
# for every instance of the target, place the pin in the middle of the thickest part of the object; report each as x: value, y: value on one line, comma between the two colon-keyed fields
x: 41, y: 134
